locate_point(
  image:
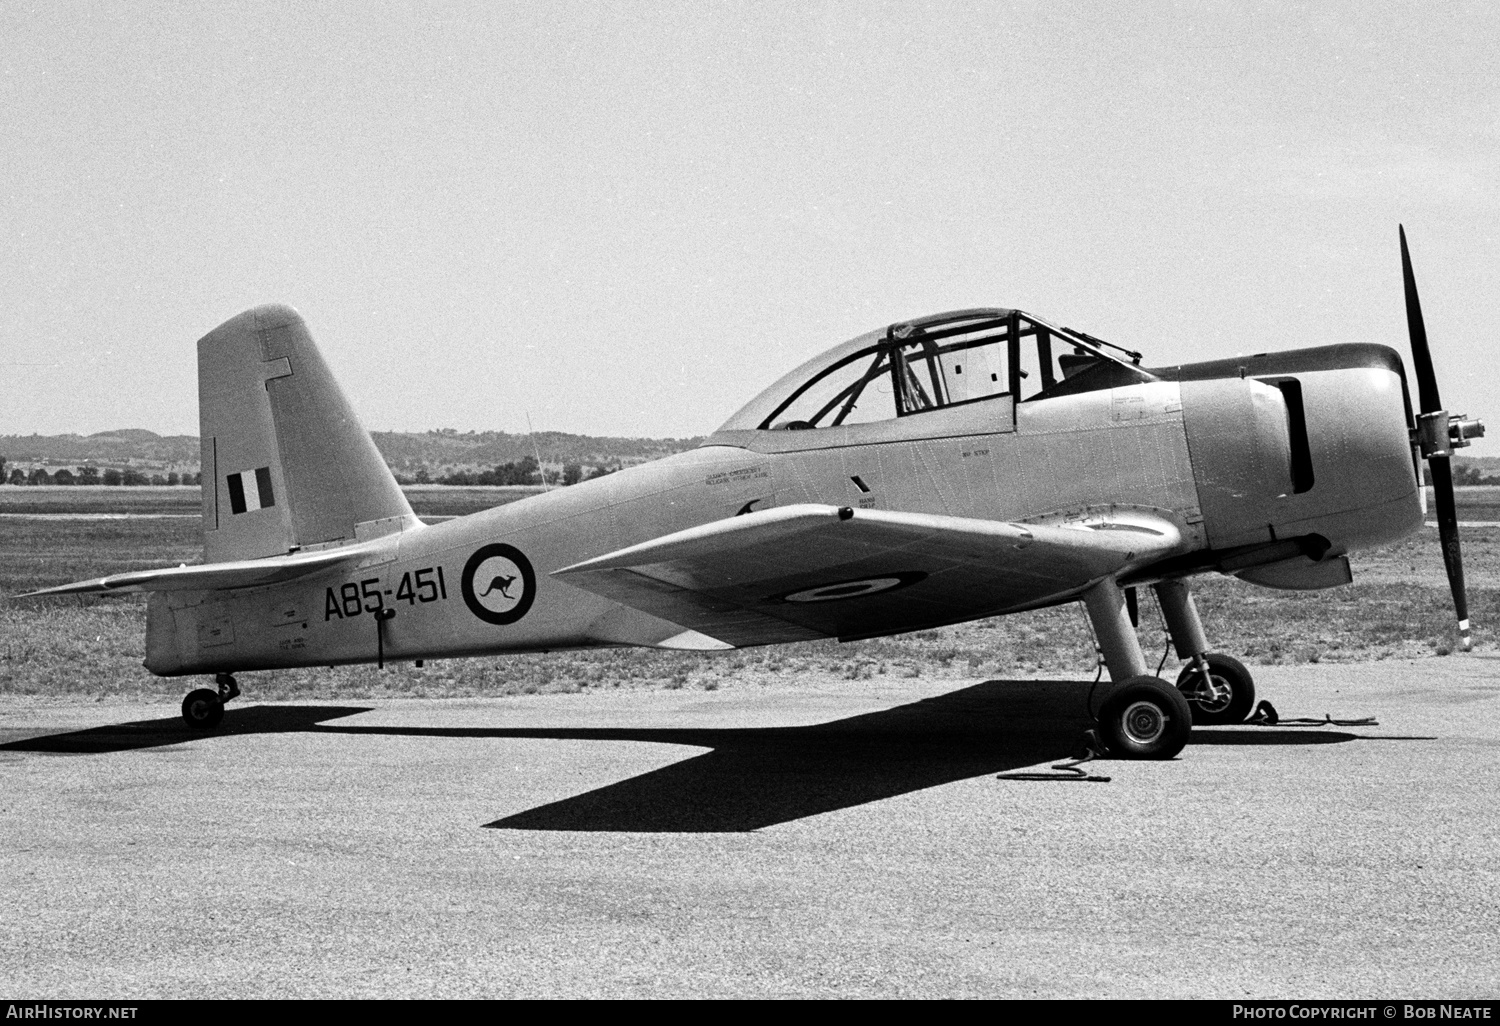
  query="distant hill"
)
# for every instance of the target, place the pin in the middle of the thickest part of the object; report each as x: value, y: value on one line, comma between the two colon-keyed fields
x: 440, y: 452
x: 408, y: 453
x: 128, y: 447
x: 126, y: 435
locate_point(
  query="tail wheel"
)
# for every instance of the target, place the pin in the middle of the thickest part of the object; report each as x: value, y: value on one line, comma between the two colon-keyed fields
x: 1145, y: 718
x: 1227, y: 696
x: 202, y: 709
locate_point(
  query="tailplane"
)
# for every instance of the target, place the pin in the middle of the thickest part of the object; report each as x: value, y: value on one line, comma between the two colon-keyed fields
x: 286, y: 464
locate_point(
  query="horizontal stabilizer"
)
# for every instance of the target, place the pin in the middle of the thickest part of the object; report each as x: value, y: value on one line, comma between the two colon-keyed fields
x: 808, y: 571
x: 244, y: 573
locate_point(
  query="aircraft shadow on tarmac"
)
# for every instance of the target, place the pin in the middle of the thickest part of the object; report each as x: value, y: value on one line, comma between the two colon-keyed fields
x: 751, y: 777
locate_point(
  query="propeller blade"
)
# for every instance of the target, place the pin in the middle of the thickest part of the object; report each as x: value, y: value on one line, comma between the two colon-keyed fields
x: 1427, y: 390
x: 1453, y: 558
x: 1442, y: 469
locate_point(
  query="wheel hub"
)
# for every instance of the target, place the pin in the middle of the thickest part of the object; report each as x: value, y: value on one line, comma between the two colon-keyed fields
x: 1213, y: 693
x: 1144, y: 722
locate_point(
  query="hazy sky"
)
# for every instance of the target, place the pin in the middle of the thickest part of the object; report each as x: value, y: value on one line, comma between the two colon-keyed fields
x: 627, y: 218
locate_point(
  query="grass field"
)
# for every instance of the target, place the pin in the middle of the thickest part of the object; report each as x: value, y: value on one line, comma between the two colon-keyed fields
x: 1397, y: 607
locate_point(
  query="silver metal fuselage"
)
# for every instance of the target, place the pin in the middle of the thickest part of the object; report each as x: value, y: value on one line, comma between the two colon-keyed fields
x: 1205, y: 445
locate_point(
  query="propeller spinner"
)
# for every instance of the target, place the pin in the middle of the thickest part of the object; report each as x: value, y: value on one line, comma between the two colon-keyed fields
x: 1438, y: 433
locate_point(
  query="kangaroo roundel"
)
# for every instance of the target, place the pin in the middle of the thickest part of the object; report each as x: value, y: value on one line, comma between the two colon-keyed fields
x: 499, y: 584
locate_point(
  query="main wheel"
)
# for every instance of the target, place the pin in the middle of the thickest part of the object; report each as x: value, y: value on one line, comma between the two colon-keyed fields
x: 1145, y: 718
x: 1227, y: 696
x: 202, y: 709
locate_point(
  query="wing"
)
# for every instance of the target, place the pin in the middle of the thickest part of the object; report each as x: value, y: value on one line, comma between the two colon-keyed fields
x: 244, y: 573
x: 809, y: 571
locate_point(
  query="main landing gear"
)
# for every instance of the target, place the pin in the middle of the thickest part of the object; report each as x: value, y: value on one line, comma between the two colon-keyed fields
x: 1218, y: 687
x: 203, y: 709
x: 1144, y: 717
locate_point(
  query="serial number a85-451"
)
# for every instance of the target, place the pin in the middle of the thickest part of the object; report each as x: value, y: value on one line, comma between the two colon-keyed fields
x: 351, y: 599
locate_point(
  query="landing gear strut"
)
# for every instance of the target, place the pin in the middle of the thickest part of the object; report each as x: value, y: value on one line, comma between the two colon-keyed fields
x: 1218, y: 687
x: 203, y: 709
x: 1143, y: 716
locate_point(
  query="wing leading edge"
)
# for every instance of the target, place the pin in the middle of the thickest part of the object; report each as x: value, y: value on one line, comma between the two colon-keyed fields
x: 797, y: 573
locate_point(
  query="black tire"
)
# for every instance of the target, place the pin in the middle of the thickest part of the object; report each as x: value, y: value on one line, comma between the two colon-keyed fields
x: 202, y: 709
x: 1145, y: 718
x: 1233, y: 682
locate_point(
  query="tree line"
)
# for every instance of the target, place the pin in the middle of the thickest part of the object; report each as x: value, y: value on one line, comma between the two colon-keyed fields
x: 93, y: 476
x: 518, y: 472
x: 1462, y: 475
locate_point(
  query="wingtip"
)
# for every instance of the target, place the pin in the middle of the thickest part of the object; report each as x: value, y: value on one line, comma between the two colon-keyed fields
x: 694, y: 641
x: 77, y: 588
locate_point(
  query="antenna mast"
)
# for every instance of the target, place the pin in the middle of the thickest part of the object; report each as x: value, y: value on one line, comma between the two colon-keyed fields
x: 537, y: 450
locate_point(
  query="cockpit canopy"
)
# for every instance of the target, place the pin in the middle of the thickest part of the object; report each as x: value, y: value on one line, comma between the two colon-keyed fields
x: 949, y: 359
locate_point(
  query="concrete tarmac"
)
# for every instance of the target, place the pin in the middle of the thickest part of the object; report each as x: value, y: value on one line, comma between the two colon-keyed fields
x: 848, y: 840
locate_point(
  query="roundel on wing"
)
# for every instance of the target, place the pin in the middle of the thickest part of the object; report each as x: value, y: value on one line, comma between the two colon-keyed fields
x: 854, y: 589
x: 499, y: 584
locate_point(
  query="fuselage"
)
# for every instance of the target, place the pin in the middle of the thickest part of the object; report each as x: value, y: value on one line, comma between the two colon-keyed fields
x: 1309, y: 449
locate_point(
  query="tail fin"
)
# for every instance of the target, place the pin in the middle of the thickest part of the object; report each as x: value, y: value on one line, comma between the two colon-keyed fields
x: 286, y: 464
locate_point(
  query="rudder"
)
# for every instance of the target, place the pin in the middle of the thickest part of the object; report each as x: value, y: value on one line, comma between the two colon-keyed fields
x: 286, y: 463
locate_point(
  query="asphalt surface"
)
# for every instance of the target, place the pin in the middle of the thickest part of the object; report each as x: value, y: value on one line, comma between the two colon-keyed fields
x: 849, y: 840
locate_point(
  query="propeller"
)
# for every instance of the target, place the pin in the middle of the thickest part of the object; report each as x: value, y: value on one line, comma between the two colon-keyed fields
x: 1438, y: 433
